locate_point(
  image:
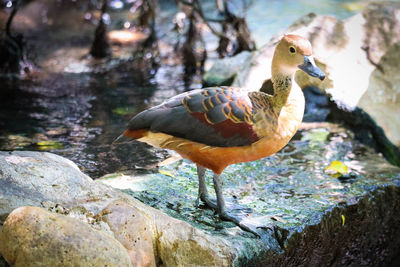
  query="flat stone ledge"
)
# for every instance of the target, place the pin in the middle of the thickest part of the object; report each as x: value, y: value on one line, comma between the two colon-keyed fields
x: 310, y: 217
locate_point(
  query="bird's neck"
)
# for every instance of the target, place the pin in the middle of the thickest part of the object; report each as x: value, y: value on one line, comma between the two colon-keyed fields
x: 282, y: 86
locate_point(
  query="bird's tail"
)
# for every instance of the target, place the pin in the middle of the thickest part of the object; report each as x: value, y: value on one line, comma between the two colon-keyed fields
x: 128, y: 135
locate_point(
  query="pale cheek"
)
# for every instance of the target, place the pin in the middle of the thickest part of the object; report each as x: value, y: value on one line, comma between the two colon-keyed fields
x: 289, y: 70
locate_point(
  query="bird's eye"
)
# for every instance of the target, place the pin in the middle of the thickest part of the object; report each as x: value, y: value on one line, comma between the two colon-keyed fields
x: 292, y: 50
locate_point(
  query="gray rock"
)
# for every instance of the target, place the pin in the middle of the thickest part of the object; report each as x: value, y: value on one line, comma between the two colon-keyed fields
x: 31, y: 178
x: 47, y: 180
x: 33, y: 236
x: 224, y: 71
x: 131, y: 228
x: 359, y: 56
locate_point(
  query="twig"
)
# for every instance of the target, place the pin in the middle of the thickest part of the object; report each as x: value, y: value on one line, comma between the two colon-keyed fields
x: 11, y: 17
x: 196, y: 5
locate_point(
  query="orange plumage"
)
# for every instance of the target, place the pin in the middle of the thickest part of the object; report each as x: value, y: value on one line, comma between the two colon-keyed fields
x: 218, y: 126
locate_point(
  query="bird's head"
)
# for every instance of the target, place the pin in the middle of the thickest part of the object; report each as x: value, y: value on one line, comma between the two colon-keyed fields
x: 294, y: 52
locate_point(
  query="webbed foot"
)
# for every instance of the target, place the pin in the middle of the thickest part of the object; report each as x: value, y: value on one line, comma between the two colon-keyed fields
x: 224, y: 215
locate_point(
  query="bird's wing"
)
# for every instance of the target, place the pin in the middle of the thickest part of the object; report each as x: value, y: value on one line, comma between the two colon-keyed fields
x: 216, y: 116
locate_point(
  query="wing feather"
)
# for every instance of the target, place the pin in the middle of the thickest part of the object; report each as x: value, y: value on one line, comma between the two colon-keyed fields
x: 216, y: 116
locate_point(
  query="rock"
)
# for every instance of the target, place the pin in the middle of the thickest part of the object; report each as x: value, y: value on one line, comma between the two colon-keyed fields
x: 354, y: 236
x: 178, y: 243
x: 298, y: 203
x: 289, y: 193
x: 32, y: 236
x: 31, y: 178
x: 181, y: 244
x: 224, y: 71
x: 47, y: 180
x: 131, y: 228
x: 360, y: 56
x: 382, y: 98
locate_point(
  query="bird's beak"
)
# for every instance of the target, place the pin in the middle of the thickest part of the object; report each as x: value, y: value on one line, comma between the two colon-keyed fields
x: 311, y: 69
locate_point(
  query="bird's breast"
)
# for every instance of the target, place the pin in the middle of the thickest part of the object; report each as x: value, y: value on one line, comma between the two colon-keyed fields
x: 291, y: 115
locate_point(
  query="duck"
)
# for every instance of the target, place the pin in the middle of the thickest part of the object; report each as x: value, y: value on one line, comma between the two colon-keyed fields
x: 218, y: 126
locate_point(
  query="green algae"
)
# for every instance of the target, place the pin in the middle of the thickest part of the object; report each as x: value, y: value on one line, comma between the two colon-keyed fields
x: 49, y: 144
x: 123, y: 111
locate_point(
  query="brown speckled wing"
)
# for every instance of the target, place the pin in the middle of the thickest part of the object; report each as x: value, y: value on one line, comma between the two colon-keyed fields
x: 219, y: 104
x: 226, y: 111
x: 216, y: 116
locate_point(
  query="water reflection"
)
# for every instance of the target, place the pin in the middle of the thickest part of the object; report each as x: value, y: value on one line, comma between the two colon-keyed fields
x: 65, y: 114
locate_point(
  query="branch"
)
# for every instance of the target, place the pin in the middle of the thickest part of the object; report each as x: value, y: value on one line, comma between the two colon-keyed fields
x: 11, y: 17
x: 196, y: 6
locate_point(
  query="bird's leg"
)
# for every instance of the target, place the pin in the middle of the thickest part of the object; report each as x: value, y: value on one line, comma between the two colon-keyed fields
x: 203, y: 193
x: 222, y: 210
x: 220, y: 203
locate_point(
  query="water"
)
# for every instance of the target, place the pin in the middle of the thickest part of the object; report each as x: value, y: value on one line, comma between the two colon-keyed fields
x: 75, y: 107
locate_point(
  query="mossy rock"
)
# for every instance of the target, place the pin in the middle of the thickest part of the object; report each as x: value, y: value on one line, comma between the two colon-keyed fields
x: 224, y: 71
x: 309, y: 215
